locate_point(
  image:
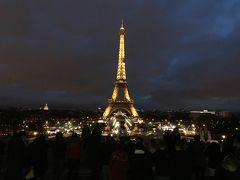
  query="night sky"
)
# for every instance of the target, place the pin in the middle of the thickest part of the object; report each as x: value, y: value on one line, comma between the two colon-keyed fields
x: 179, y: 53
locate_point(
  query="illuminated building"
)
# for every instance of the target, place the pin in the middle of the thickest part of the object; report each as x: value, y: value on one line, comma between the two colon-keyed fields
x: 203, y: 112
x: 45, y: 108
x: 120, y: 85
x: 224, y: 114
x: 194, y: 115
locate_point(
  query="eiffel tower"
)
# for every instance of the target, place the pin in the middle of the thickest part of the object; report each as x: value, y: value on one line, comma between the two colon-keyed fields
x: 120, y: 85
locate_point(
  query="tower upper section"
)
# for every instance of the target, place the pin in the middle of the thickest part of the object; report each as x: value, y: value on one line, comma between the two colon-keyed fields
x: 121, y: 73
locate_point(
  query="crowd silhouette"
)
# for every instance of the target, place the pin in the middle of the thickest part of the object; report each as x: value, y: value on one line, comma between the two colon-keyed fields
x: 91, y: 156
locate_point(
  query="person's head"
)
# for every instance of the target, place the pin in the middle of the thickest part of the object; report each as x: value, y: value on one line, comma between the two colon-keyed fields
x: 41, y: 138
x: 22, y: 134
x: 86, y: 132
x: 139, y: 142
x: 184, y: 144
x: 197, y: 138
x: 230, y: 163
x: 236, y: 141
x: 74, y: 135
x: 59, y: 135
x: 97, y: 132
x: 167, y: 137
x: 175, y: 130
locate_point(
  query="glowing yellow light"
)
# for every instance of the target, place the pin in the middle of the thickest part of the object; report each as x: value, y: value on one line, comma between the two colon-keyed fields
x: 114, y: 122
x: 45, y: 108
x: 128, y: 122
x: 35, y: 133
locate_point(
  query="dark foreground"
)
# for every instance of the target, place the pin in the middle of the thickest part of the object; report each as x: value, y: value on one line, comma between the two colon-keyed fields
x: 93, y: 157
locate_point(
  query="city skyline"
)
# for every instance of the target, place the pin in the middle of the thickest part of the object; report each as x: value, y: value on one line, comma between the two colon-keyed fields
x: 179, y: 54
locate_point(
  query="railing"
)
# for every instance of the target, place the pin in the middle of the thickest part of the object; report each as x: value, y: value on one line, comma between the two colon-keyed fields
x: 120, y: 101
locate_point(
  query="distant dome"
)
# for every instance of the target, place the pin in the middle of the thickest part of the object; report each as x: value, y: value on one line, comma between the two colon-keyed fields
x: 46, y: 107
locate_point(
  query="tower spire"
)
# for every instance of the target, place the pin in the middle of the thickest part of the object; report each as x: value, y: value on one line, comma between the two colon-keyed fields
x: 122, y: 27
x: 121, y: 73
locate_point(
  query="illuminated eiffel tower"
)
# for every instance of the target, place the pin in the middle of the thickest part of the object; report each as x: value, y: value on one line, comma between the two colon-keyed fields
x: 120, y: 86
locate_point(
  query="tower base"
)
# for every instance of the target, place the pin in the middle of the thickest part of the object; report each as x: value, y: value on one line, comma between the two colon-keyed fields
x: 113, y: 106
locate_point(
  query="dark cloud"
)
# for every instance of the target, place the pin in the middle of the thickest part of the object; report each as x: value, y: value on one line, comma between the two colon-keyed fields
x: 179, y: 54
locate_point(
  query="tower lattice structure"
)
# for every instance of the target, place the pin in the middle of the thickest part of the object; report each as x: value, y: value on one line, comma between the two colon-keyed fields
x: 120, y: 84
